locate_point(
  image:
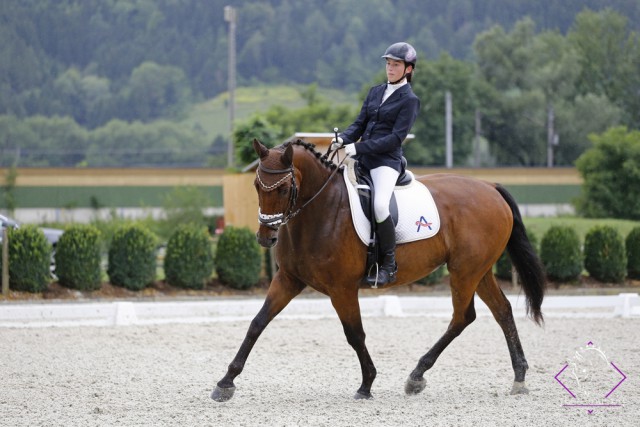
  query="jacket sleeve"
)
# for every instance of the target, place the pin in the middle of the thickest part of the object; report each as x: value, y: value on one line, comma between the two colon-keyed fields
x: 393, y: 139
x: 357, y: 128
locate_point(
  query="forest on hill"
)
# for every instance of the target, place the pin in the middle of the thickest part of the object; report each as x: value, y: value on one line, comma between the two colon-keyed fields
x: 93, y: 75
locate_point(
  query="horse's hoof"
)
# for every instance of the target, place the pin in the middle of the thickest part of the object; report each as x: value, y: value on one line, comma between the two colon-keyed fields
x: 519, y: 388
x: 222, y: 394
x: 362, y: 396
x: 414, y: 386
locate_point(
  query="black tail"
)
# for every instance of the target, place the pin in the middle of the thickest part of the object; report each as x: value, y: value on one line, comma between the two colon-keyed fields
x: 525, y: 260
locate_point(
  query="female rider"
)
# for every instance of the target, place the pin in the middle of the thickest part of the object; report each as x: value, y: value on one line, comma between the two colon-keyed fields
x: 375, y: 140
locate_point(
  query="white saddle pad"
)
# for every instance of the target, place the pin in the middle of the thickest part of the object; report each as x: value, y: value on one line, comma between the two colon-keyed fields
x: 417, y: 212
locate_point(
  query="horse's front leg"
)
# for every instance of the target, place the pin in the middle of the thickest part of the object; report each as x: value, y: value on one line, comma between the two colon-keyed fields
x: 281, y: 291
x: 348, y: 308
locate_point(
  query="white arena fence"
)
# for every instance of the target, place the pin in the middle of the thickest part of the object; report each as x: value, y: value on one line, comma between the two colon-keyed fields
x: 123, y: 313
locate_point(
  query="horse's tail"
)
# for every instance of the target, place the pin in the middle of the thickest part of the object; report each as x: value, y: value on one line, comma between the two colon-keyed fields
x: 525, y: 260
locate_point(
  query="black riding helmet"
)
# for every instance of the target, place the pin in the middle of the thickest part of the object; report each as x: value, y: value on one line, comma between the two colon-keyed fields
x: 402, y: 51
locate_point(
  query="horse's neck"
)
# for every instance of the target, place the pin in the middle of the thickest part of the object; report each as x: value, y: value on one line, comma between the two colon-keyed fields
x: 314, y: 177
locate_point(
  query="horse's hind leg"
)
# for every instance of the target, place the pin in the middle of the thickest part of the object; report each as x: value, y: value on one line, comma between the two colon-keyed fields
x: 464, y: 314
x: 281, y: 292
x: 492, y: 295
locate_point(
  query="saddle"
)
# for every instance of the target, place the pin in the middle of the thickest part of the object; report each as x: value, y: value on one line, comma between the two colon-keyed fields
x: 366, y: 191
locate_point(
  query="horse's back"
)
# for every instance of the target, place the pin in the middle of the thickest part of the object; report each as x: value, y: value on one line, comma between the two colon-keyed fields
x: 470, y: 204
x: 446, y: 187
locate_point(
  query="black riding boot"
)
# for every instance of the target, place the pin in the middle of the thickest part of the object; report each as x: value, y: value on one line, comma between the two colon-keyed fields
x: 387, y: 238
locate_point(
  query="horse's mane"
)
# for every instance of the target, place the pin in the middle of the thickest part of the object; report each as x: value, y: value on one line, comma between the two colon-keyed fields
x: 323, y: 158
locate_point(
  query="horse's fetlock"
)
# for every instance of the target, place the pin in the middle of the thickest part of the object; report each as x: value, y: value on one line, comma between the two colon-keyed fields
x: 236, y: 368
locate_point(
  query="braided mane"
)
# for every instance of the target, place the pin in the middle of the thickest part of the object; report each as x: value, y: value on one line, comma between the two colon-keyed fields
x: 323, y: 158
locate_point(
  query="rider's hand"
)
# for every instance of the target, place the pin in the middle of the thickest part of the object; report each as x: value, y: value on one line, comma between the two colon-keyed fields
x: 350, y: 150
x: 336, y: 145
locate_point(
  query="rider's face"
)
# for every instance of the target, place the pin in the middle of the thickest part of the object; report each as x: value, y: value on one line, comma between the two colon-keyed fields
x: 395, y: 69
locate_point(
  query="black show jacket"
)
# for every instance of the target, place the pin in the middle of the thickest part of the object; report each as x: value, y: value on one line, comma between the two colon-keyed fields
x: 382, y: 128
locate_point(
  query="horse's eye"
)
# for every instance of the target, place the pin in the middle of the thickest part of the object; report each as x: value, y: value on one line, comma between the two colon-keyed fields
x: 283, y: 191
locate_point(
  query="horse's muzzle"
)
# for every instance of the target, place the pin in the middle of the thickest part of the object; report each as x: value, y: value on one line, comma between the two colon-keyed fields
x: 267, y: 239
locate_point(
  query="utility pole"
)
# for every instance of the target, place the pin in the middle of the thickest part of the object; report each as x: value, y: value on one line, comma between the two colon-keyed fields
x: 448, y: 130
x: 230, y: 17
x: 476, y: 140
x: 551, y: 136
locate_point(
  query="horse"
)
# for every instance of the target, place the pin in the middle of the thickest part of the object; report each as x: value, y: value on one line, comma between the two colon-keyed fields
x: 304, y: 211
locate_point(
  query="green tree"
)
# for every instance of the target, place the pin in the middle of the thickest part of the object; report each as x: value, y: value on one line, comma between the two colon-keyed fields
x: 579, y: 117
x: 432, y: 80
x: 609, y: 57
x: 156, y: 91
x: 255, y: 127
x: 279, y: 123
x: 319, y: 115
x: 611, y: 174
x: 513, y: 111
x: 142, y: 144
x: 41, y: 141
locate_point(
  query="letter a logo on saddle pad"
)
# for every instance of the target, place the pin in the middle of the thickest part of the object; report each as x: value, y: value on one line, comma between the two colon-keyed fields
x: 417, y: 212
x: 423, y: 223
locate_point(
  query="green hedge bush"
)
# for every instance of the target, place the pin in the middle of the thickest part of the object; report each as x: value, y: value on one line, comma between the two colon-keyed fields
x: 132, y: 257
x: 78, y: 258
x: 604, y: 256
x: 188, y: 262
x: 632, y: 245
x: 238, y: 258
x: 29, y: 259
x: 561, y: 254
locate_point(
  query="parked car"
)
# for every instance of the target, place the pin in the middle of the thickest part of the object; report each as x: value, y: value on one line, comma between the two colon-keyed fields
x: 52, y: 235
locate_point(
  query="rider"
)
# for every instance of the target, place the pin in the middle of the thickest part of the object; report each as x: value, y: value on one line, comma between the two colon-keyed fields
x: 385, y: 119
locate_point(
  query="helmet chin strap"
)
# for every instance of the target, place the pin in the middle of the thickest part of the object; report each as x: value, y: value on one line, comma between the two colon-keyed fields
x: 399, y: 80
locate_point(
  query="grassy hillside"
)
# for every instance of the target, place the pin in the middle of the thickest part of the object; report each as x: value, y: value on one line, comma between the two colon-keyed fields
x: 212, y: 116
x: 539, y: 226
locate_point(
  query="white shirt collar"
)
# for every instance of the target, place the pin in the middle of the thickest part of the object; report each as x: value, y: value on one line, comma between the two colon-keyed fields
x: 392, y: 88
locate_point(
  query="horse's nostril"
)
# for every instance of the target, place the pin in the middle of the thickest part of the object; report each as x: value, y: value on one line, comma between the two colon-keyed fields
x: 266, y: 242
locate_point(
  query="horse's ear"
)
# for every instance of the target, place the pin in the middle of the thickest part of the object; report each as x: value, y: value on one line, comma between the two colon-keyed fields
x: 287, y: 156
x: 261, y: 150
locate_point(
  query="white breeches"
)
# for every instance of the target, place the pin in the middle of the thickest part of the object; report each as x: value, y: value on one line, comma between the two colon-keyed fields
x: 384, y: 181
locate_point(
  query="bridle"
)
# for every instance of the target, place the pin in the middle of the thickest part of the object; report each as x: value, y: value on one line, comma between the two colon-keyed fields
x: 274, y: 221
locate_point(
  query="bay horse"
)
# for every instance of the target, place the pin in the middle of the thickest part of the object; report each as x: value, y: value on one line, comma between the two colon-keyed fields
x: 304, y: 208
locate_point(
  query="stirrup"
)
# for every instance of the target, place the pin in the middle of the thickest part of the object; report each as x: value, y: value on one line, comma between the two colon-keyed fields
x: 372, y: 280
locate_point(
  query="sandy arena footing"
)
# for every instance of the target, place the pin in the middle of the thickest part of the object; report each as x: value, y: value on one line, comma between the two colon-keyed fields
x: 303, y: 373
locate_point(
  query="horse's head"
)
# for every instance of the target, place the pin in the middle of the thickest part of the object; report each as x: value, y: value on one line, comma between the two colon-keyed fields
x: 277, y: 191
